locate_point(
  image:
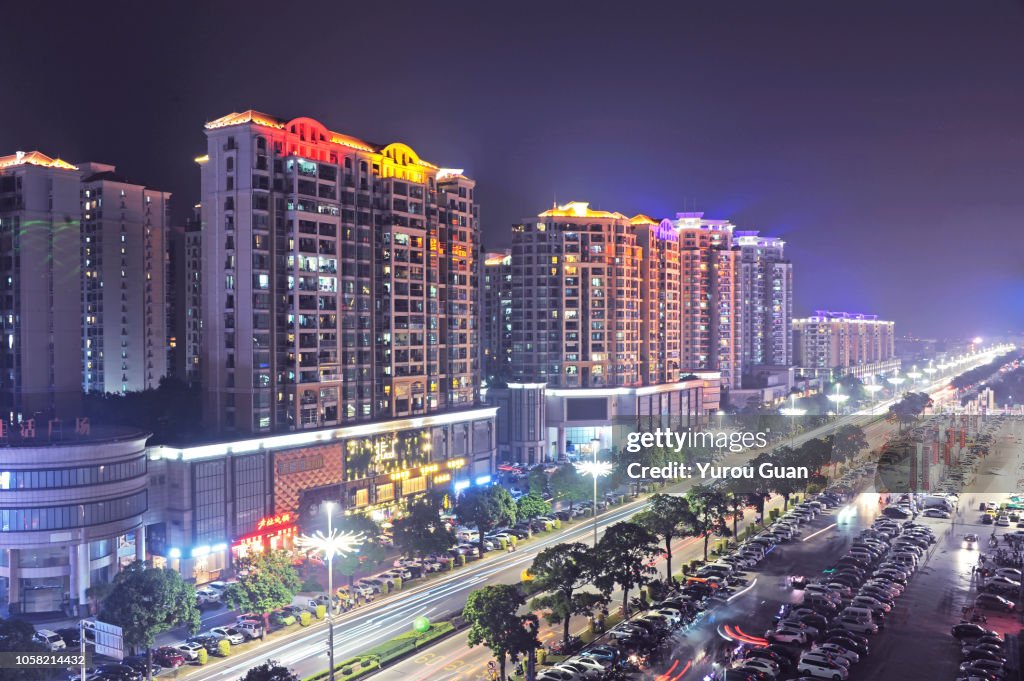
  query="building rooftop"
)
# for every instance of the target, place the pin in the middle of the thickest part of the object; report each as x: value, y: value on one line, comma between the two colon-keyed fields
x: 579, y: 209
x: 65, y: 434
x: 34, y: 158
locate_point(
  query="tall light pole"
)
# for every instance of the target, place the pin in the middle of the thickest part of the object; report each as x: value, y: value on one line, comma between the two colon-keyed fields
x: 896, y: 382
x: 793, y: 412
x: 914, y: 375
x: 872, y: 389
x: 596, y: 469
x: 838, y: 398
x: 331, y: 544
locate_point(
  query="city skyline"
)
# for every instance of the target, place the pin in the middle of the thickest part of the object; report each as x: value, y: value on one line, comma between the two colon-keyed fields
x: 872, y: 154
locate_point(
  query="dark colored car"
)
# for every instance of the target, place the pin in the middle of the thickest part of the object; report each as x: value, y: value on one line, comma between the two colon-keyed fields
x: 990, y: 601
x: 138, y: 663
x: 969, y: 630
x: 785, y: 663
x: 206, y: 641
x: 119, y: 671
x: 848, y: 643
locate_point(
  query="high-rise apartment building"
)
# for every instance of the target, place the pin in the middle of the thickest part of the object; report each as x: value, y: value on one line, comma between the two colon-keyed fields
x: 125, y: 330
x: 40, y: 291
x: 712, y: 311
x: 185, y: 296
x: 576, y: 299
x: 842, y: 341
x: 766, y: 291
x: 661, y: 296
x: 338, y: 278
x: 496, y: 329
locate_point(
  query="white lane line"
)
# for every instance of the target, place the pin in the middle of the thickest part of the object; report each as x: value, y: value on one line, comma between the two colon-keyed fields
x: 824, y: 529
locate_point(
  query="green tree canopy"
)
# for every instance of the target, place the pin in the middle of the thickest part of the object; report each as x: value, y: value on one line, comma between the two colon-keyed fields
x: 624, y: 554
x: 271, y: 670
x: 266, y: 581
x: 485, y: 508
x: 710, y: 509
x: 848, y: 442
x: 568, y: 485
x: 532, y: 505
x: 559, y: 571
x: 147, y: 601
x: 495, y: 622
x: 668, y: 517
x: 420, y: 532
x: 16, y: 637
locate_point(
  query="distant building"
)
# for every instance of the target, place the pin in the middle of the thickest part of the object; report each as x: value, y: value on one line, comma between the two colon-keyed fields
x: 766, y: 291
x: 841, y: 343
x: 41, y: 303
x: 496, y: 329
x: 125, y: 328
x: 712, y: 310
x: 185, y: 300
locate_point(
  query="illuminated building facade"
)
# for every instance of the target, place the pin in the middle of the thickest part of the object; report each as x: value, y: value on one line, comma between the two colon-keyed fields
x: 217, y: 502
x: 72, y: 513
x: 661, y: 295
x: 496, y: 329
x: 40, y: 294
x: 339, y: 279
x: 766, y: 291
x: 712, y: 313
x: 843, y: 340
x: 185, y: 292
x: 576, y: 299
x: 125, y: 331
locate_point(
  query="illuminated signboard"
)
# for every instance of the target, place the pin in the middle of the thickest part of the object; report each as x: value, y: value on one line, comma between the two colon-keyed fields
x: 274, y: 521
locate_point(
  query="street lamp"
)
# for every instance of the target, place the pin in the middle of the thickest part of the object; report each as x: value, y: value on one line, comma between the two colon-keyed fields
x: 896, y: 381
x: 914, y: 375
x: 872, y: 388
x: 330, y: 544
x: 838, y: 399
x: 595, y: 469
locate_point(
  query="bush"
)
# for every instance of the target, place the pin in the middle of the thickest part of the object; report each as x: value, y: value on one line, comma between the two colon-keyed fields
x: 346, y: 670
x: 451, y: 564
x: 311, y: 584
x: 305, y: 618
x: 461, y: 560
x: 503, y: 544
x: 556, y: 523
x: 398, y: 584
x: 514, y: 539
x: 321, y: 612
x: 223, y: 647
x: 202, y: 657
x: 367, y: 662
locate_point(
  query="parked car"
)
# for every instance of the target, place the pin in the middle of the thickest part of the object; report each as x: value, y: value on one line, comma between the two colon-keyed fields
x: 189, y: 650
x: 169, y: 657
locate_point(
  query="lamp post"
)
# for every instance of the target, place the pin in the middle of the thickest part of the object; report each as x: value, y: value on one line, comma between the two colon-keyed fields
x: 872, y: 388
x: 596, y: 469
x: 914, y: 375
x: 838, y: 398
x: 331, y: 544
x: 896, y: 382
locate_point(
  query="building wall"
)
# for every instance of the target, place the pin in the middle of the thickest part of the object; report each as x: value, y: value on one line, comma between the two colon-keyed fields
x: 124, y: 322
x: 351, y: 265
x: 66, y: 507
x: 40, y: 301
x: 496, y: 336
x: 830, y: 340
x: 766, y: 288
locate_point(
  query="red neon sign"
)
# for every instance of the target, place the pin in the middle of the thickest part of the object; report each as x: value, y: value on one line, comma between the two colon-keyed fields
x: 274, y: 521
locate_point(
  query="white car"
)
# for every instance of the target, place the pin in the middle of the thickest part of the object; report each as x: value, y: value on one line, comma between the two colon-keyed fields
x: 556, y: 674
x: 819, y: 655
x: 671, y: 614
x: 758, y: 664
x: 190, y: 651
x: 589, y: 663
x: 51, y: 639
x: 838, y: 651
x: 786, y: 635
x: 234, y: 636
x: 1003, y: 521
x: 856, y: 625
x: 822, y: 670
x: 1009, y: 573
x: 207, y: 595
x: 585, y: 672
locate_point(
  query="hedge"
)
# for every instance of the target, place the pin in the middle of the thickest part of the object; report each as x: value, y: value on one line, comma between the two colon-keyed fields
x: 223, y: 647
x: 389, y: 651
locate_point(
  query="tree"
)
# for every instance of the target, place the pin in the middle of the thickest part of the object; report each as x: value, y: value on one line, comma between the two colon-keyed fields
x: 420, y: 531
x: 485, y: 508
x: 16, y: 637
x: 808, y: 455
x: 848, y: 442
x: 147, y: 601
x: 668, y: 517
x: 624, y: 555
x: 568, y: 485
x: 495, y: 622
x: 909, y: 407
x: 266, y: 581
x: 271, y: 670
x: 538, y: 481
x: 530, y: 506
x: 371, y: 551
x: 749, y: 492
x: 559, y: 571
x: 710, y: 509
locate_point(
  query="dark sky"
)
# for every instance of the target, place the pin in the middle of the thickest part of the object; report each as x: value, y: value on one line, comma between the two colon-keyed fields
x: 883, y: 139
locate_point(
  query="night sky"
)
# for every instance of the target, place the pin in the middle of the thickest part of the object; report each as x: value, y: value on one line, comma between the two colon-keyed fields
x: 883, y: 139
